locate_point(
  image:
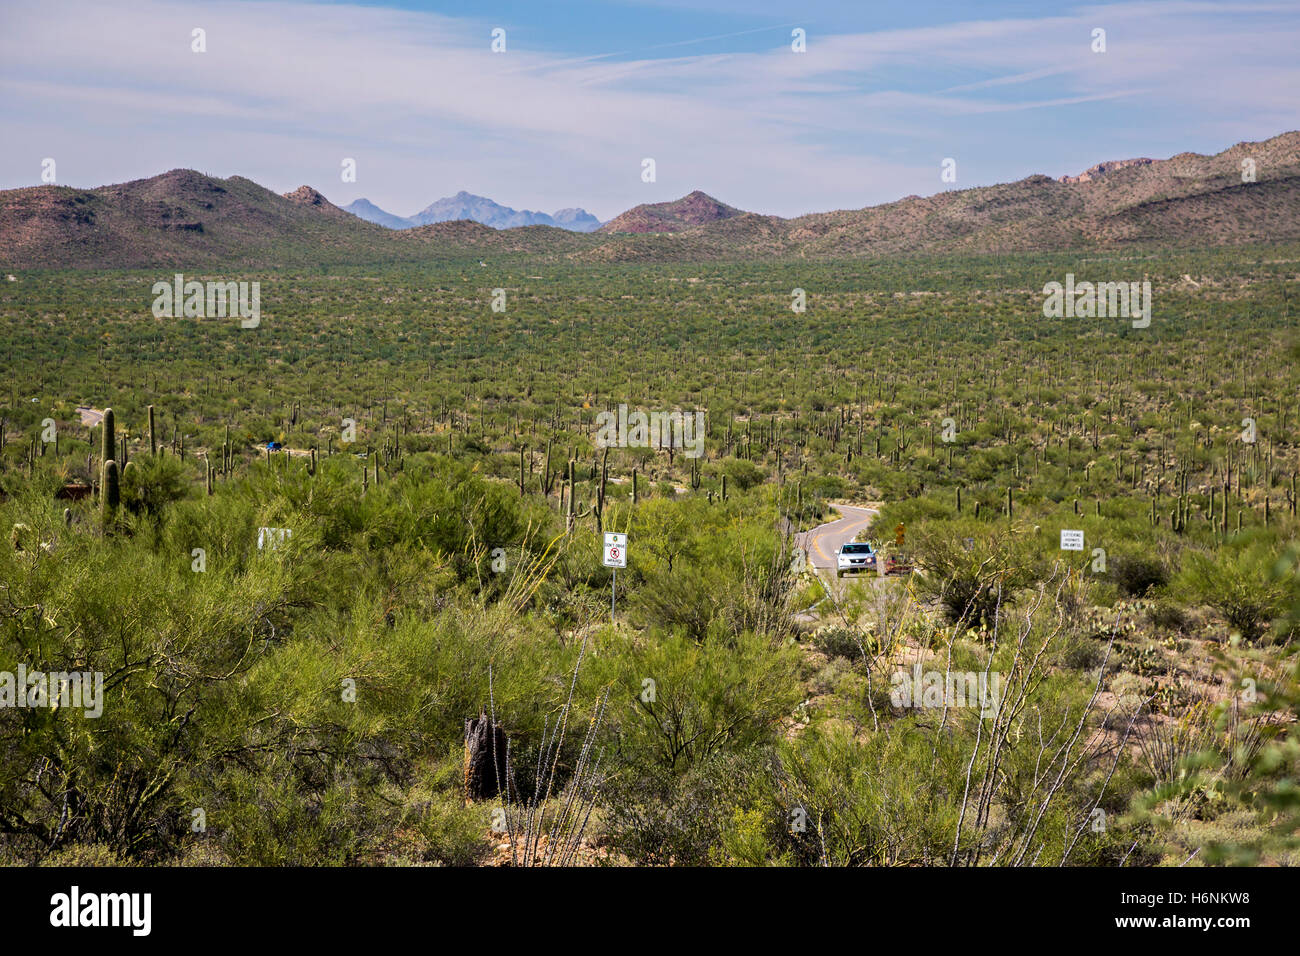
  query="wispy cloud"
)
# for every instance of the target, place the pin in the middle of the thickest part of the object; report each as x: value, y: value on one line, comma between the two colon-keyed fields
x: 112, y: 90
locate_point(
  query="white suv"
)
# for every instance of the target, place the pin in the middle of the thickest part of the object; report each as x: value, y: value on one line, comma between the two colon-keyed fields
x: 855, y: 556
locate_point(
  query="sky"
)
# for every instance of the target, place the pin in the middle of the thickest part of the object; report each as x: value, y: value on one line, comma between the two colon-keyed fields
x: 583, y: 92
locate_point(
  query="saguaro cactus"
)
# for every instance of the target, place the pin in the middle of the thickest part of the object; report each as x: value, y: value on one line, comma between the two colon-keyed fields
x: 153, y: 441
x: 575, y: 514
x: 108, y: 444
x: 598, y: 507
x: 111, y: 496
x: 548, y: 477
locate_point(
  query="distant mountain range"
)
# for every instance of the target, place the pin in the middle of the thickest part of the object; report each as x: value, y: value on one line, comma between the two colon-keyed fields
x: 465, y: 205
x: 190, y: 221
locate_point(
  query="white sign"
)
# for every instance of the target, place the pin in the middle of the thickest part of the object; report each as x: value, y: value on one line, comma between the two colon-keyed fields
x: 1071, y: 540
x: 615, y: 550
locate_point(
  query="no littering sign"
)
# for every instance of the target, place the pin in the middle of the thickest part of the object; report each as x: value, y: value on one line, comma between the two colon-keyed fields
x: 1071, y: 540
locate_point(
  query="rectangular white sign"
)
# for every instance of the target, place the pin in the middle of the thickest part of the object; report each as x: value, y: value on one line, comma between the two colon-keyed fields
x: 615, y: 550
x: 1071, y: 540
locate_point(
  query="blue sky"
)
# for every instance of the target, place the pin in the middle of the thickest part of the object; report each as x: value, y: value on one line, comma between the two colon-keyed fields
x: 710, y: 89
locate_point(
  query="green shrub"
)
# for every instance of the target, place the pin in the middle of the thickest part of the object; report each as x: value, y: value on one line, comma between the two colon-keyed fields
x: 705, y: 698
x: 152, y: 483
x: 661, y: 818
x: 1239, y: 584
x: 1136, y: 575
x: 1082, y: 652
x: 1168, y: 616
x: 970, y: 582
x: 452, y: 834
x: 846, y: 642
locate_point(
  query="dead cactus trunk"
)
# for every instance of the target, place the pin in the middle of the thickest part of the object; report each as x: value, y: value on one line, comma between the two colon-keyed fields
x: 485, y: 758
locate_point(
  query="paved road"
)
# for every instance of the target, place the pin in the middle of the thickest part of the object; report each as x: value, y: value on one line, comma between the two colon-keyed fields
x: 822, y: 542
x: 90, y: 417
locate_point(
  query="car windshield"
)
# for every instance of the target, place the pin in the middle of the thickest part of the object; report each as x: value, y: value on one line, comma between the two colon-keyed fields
x: 861, y: 548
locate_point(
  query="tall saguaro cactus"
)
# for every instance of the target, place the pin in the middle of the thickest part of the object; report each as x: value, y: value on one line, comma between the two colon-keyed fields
x: 111, y: 495
x: 108, y: 444
x: 576, y: 514
x: 598, y: 506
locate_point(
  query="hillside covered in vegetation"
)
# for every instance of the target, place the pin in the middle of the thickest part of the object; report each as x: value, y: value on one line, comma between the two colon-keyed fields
x: 343, y: 581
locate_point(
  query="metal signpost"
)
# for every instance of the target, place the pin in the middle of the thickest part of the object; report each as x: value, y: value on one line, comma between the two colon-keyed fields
x: 615, y: 557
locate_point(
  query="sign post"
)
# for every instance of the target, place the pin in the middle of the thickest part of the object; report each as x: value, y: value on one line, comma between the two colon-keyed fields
x: 615, y: 557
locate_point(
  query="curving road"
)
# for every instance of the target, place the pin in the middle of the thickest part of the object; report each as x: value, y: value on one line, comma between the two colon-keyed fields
x: 822, y: 542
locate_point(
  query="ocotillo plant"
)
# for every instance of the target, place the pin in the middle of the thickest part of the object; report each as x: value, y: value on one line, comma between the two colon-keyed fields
x: 533, y: 840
